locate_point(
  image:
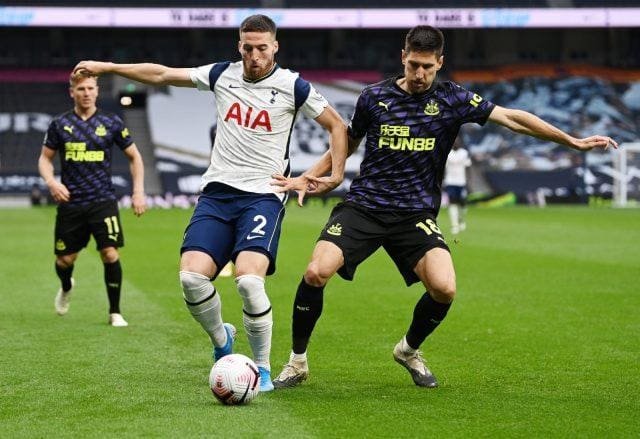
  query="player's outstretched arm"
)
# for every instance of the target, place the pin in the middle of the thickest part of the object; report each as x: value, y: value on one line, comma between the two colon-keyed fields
x: 523, y: 122
x: 148, y: 73
x: 138, y: 198
x: 58, y: 191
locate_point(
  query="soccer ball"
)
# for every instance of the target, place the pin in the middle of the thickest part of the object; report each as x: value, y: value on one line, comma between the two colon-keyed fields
x: 234, y: 379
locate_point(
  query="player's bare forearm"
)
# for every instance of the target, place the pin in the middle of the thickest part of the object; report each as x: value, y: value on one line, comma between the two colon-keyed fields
x: 523, y: 122
x: 59, y: 191
x: 324, y: 163
x: 136, y: 167
x: 334, y: 159
x: 338, y: 151
x: 148, y: 73
x: 45, y: 167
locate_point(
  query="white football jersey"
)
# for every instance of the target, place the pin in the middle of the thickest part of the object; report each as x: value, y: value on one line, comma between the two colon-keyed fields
x: 254, y: 123
x: 457, y: 162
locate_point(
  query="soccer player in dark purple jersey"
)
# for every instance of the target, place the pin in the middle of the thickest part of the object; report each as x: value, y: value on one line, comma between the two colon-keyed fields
x: 87, y: 205
x: 410, y: 123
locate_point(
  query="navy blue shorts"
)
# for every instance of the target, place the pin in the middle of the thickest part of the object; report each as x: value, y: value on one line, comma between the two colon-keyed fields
x: 457, y: 194
x: 227, y: 221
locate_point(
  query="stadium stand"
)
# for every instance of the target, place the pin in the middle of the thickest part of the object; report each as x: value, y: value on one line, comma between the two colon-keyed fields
x: 551, y: 72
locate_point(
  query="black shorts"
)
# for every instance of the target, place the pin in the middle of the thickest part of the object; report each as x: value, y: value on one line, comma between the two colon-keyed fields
x: 359, y: 232
x: 76, y: 224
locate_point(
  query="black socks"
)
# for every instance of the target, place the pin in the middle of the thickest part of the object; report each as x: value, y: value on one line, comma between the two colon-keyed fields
x: 113, y: 281
x: 307, y: 308
x: 427, y: 315
x: 65, y: 276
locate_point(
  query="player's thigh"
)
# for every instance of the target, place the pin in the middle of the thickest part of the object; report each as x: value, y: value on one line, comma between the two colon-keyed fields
x: 199, y: 262
x: 326, y: 259
x: 435, y: 270
x: 410, y: 239
x: 72, y: 232
x: 252, y: 262
x: 258, y: 229
x: 105, y: 225
x: 209, y: 234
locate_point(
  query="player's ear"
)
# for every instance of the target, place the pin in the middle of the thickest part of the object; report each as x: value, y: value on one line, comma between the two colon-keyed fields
x: 440, y: 62
x: 240, y: 47
x: 276, y: 47
x: 404, y: 57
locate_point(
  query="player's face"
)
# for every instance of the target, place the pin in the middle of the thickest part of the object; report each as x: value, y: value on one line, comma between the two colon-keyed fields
x: 420, y: 69
x: 258, y: 50
x: 84, y: 94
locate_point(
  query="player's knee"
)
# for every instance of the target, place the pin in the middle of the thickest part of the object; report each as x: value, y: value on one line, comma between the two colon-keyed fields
x: 195, y: 286
x: 254, y: 296
x: 66, y: 261
x: 443, y: 292
x: 109, y: 255
x: 317, y: 276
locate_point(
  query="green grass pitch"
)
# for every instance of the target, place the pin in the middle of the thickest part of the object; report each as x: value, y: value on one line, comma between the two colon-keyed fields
x: 543, y: 339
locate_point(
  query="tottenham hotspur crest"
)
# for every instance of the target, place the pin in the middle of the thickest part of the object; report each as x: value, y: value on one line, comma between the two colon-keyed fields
x: 431, y: 109
x: 273, y: 96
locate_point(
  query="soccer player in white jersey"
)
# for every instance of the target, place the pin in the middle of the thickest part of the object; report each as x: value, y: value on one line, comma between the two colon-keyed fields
x: 239, y: 214
x: 455, y: 185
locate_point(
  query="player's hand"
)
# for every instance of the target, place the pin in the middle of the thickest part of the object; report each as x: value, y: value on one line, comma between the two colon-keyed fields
x: 139, y: 203
x: 300, y: 184
x: 90, y: 68
x: 59, y: 192
x: 321, y: 185
x: 588, y: 143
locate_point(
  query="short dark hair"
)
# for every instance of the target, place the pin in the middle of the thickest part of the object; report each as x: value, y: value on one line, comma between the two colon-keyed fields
x: 424, y: 39
x: 258, y: 23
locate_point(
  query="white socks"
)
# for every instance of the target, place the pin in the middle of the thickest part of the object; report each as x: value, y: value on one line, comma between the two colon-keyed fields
x: 404, y: 346
x: 454, y: 217
x: 204, y: 305
x: 257, y: 317
x: 297, y: 358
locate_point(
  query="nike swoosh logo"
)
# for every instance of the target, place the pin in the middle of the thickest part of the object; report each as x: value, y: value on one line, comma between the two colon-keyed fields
x: 249, y: 238
x: 234, y: 86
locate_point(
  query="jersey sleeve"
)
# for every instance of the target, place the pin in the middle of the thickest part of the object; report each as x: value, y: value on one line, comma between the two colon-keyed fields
x: 200, y: 76
x: 51, y: 137
x: 205, y: 77
x: 470, y: 106
x: 307, y: 99
x: 359, y: 122
x: 121, y: 136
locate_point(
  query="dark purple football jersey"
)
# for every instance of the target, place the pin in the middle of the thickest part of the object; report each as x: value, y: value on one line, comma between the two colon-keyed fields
x: 85, y: 149
x: 408, y: 139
